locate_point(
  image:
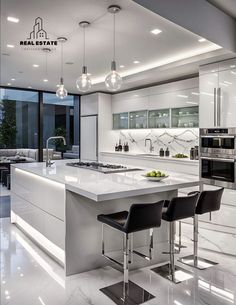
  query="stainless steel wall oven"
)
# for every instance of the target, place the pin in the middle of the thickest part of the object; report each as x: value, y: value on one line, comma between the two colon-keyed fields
x: 218, y: 156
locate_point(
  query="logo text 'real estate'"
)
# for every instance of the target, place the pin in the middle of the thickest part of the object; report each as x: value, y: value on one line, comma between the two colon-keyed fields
x: 38, y: 36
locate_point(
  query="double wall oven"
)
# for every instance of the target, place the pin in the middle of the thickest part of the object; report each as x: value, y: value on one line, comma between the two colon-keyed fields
x: 218, y: 156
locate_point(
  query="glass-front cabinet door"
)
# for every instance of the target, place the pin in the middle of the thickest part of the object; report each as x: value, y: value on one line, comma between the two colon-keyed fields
x: 184, y: 117
x: 120, y: 120
x: 138, y: 119
x: 159, y: 118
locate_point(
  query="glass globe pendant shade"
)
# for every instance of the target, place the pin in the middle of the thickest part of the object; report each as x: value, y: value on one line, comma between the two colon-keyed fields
x: 113, y: 80
x: 61, y: 91
x: 83, y: 83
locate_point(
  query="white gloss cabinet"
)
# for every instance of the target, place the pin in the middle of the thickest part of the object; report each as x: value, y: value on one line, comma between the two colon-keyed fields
x: 208, y: 84
x: 217, y: 86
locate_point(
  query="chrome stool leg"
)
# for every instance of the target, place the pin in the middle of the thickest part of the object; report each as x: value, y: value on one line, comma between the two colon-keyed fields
x: 125, y: 292
x: 194, y: 260
x: 170, y: 271
x: 179, y: 246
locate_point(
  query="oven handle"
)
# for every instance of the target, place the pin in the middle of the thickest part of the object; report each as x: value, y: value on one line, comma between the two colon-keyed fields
x: 217, y: 136
x: 219, y: 159
x: 219, y: 107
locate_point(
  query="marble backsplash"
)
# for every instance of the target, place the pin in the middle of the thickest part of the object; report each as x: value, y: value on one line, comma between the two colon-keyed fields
x: 177, y: 140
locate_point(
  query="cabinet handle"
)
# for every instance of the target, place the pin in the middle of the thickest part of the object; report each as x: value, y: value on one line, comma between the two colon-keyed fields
x: 219, y: 107
x: 215, y: 117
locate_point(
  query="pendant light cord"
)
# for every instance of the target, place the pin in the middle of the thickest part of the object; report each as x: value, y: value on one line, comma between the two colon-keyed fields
x: 114, y: 37
x: 62, y: 60
x: 46, y: 63
x: 84, y: 48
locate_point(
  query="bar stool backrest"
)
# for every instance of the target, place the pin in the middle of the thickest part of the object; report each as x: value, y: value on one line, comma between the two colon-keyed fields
x: 181, y: 207
x: 144, y: 216
x: 209, y: 201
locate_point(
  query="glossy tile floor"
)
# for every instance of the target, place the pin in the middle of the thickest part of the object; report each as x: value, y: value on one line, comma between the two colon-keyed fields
x: 30, y: 277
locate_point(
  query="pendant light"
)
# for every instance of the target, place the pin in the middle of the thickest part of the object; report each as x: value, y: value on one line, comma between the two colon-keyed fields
x: 113, y: 80
x: 61, y: 91
x: 83, y: 83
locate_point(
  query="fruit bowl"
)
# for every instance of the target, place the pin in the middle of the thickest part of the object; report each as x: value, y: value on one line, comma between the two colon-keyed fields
x: 155, y: 176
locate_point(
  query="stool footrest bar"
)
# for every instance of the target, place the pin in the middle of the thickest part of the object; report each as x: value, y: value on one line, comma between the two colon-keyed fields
x: 113, y: 260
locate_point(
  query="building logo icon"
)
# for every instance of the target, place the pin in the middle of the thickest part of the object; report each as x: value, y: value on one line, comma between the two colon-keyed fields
x: 38, y: 38
x: 38, y: 31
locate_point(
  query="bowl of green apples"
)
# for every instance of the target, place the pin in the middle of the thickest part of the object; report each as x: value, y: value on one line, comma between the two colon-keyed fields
x: 155, y: 175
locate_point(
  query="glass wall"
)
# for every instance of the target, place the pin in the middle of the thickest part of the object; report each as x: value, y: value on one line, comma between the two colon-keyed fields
x: 21, y: 136
x: 60, y: 118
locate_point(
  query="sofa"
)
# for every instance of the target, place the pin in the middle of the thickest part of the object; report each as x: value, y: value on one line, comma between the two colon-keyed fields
x: 30, y: 154
x: 72, y: 154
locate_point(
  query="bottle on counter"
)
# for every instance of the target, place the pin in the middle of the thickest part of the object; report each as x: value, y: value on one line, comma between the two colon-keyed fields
x: 162, y: 152
x: 196, y: 152
x: 126, y: 147
x: 192, y: 153
x: 167, y: 152
x: 116, y: 147
x: 120, y: 146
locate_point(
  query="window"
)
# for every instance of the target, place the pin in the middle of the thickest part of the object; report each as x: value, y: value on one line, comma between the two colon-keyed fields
x: 20, y: 121
x: 60, y: 118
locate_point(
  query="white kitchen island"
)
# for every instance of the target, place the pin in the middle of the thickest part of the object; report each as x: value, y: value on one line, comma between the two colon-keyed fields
x: 58, y: 207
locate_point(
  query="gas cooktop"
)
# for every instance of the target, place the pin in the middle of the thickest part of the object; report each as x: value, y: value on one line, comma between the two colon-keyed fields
x: 102, y: 168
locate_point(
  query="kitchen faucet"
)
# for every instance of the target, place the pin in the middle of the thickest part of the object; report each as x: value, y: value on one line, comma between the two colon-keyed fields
x: 48, y: 161
x: 151, y: 148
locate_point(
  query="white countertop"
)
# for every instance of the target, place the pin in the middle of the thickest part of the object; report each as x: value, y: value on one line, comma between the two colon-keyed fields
x: 98, y: 186
x: 151, y: 156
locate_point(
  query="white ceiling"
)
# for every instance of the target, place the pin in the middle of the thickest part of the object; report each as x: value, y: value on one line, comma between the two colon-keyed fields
x: 61, y: 18
x: 228, y: 6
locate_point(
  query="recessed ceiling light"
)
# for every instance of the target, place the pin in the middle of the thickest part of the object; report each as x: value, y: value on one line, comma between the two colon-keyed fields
x: 29, y: 87
x: 13, y: 79
x: 13, y: 19
x: 202, y: 39
x: 45, y: 80
x: 35, y: 66
x: 136, y: 95
x: 156, y: 31
x: 122, y: 66
x: 136, y: 62
x: 183, y: 96
x: 9, y: 84
x: 232, y: 66
x: 10, y: 46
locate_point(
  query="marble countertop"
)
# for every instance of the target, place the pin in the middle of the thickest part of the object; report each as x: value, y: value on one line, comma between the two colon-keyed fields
x: 151, y: 156
x: 99, y: 187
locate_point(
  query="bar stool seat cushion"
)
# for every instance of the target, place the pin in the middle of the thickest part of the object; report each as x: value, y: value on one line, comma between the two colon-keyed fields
x: 115, y: 220
x: 180, y: 208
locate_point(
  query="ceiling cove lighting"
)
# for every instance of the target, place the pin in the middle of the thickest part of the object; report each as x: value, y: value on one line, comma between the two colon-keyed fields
x: 61, y: 91
x: 155, y: 31
x: 113, y: 80
x: 202, y: 39
x: 83, y: 83
x: 10, y: 46
x: 13, y: 19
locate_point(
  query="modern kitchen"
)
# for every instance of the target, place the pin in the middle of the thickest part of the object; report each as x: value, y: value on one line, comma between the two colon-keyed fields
x: 118, y: 152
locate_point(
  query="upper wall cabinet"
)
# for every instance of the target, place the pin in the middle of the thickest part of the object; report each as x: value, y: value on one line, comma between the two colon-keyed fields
x: 217, y: 85
x: 176, y: 94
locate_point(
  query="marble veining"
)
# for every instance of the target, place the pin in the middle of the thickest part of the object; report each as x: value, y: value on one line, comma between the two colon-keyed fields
x: 177, y: 140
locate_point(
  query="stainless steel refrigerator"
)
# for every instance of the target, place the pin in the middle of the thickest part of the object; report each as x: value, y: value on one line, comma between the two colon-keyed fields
x: 89, y: 138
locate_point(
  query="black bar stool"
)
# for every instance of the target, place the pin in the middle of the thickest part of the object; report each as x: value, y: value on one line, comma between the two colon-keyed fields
x: 140, y: 217
x: 208, y: 202
x: 178, y: 208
